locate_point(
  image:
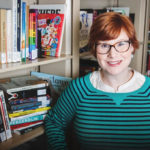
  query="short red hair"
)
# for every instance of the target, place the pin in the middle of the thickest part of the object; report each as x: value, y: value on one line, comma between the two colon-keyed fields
x: 107, y: 26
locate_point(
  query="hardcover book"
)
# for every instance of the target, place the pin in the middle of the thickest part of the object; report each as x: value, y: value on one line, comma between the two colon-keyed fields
x: 51, y: 20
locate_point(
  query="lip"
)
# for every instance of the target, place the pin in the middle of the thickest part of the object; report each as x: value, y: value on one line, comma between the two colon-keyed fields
x: 114, y: 63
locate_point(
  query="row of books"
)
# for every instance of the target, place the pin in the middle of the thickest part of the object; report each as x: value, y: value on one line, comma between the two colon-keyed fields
x: 30, y: 31
x: 87, y: 16
x: 25, y: 101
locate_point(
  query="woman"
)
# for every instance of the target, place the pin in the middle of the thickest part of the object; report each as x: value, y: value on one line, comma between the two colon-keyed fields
x: 110, y: 108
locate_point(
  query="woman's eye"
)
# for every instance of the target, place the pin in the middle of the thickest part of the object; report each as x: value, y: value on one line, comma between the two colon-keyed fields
x: 104, y: 46
x: 121, y: 43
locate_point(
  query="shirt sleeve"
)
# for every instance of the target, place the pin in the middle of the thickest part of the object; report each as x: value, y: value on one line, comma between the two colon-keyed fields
x: 59, y: 118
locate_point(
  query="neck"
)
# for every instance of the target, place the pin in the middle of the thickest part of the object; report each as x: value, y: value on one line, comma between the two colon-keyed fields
x: 115, y: 81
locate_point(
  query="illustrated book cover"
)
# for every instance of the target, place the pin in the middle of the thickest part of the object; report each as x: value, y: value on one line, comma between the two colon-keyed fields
x: 51, y: 20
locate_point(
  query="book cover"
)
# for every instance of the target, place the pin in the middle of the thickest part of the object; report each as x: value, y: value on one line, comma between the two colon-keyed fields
x: 51, y: 20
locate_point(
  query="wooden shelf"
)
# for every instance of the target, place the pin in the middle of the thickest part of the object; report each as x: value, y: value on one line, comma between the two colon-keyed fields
x: 33, y: 63
x: 17, y: 140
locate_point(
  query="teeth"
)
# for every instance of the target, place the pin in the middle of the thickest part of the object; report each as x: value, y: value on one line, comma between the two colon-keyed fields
x: 114, y: 62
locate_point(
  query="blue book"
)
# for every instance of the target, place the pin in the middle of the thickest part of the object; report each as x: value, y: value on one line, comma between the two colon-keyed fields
x: 58, y: 83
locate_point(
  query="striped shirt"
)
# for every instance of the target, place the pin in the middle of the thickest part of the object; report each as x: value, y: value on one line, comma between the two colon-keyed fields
x: 102, y: 120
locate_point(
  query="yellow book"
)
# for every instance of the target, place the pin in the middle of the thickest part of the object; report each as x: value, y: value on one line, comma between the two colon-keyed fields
x: 11, y: 115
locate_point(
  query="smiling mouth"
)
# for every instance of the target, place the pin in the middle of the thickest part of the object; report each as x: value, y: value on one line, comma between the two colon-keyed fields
x: 114, y: 63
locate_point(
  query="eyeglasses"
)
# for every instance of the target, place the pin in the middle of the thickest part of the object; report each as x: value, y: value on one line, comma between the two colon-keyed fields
x: 120, y: 47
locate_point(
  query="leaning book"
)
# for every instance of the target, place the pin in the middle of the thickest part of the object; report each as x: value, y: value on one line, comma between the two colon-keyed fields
x: 51, y: 21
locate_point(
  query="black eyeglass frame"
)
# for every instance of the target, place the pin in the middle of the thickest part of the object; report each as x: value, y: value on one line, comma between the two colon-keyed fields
x: 114, y: 47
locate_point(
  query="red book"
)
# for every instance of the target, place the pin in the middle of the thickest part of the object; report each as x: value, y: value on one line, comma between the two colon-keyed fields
x: 51, y: 19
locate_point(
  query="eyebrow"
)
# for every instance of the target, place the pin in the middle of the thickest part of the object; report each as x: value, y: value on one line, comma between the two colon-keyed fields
x: 123, y: 40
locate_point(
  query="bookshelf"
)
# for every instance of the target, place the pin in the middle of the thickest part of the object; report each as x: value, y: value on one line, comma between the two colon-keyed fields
x: 18, y: 140
x: 69, y: 61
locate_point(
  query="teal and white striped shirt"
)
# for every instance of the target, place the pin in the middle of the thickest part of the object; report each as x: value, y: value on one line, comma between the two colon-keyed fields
x: 102, y: 120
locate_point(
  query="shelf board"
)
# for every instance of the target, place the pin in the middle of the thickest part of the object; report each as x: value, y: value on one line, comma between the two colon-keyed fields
x: 17, y: 140
x: 28, y: 64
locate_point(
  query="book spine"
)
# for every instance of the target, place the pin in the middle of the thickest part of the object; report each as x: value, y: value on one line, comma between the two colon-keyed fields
x: 19, y: 2
x: 28, y: 116
x: 32, y: 34
x: 5, y: 115
x: 32, y: 125
x: 24, y: 94
x: 24, y: 125
x: 2, y: 129
x: 16, y: 53
x: 28, y: 119
x: 27, y: 30
x: 3, y: 35
x: 29, y: 108
x: 23, y: 131
x: 11, y: 115
x: 27, y: 87
x: 29, y: 100
x: 8, y: 37
x: 23, y: 33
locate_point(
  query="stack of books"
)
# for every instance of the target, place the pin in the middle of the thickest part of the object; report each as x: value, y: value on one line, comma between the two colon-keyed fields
x: 27, y: 99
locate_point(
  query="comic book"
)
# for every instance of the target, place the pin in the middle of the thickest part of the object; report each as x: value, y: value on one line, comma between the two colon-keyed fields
x: 51, y: 19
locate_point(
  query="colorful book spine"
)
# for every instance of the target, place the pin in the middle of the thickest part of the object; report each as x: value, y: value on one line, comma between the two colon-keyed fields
x: 32, y: 34
x: 11, y: 115
x: 23, y: 33
x: 28, y: 119
x: 5, y: 115
x: 29, y: 100
x: 24, y: 125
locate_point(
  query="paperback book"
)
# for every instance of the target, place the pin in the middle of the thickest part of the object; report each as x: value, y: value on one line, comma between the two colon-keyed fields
x: 51, y: 20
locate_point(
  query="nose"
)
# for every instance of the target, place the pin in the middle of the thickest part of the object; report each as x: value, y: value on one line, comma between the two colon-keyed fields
x: 112, y: 52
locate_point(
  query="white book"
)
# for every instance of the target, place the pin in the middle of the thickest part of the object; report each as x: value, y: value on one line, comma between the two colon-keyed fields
x: 16, y: 54
x: 8, y: 37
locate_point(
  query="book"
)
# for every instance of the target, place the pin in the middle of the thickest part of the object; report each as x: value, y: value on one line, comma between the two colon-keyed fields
x: 27, y: 119
x: 16, y: 55
x: 5, y: 115
x: 122, y: 10
x: 8, y: 37
x: 86, y: 20
x: 25, y: 125
x: 33, y: 53
x: 11, y: 115
x: 3, y: 36
x: 23, y: 131
x: 23, y: 32
x: 57, y: 83
x: 2, y: 129
x: 51, y: 21
x: 23, y: 86
x: 29, y: 100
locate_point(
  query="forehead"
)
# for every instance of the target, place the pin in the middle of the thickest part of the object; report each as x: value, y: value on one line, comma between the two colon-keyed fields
x: 122, y: 37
